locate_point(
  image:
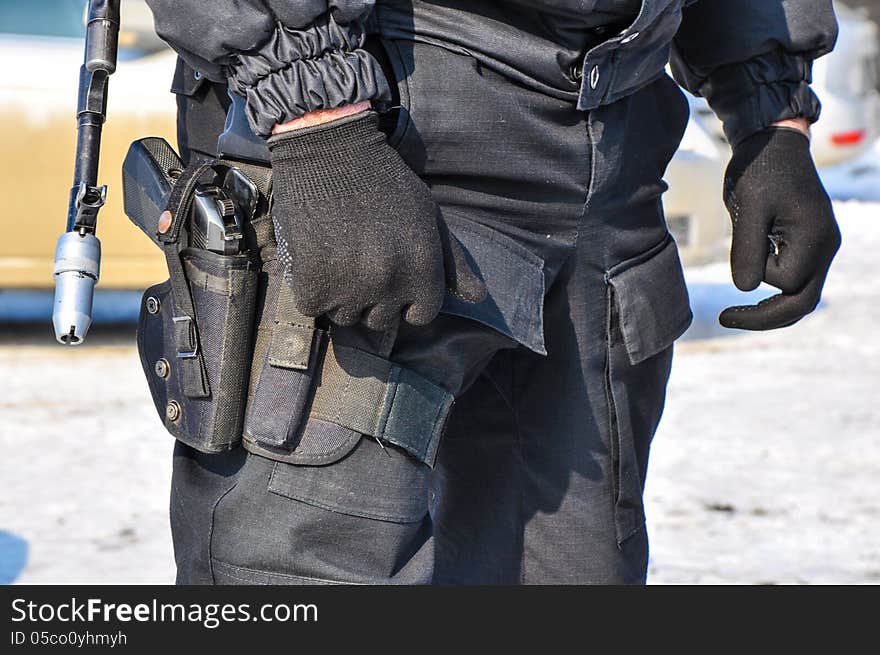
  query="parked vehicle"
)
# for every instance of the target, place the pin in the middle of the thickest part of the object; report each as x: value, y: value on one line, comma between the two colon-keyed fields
x: 43, y: 39
x: 846, y: 82
x: 693, y: 204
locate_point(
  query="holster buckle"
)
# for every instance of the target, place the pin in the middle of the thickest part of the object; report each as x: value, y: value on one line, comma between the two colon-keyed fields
x: 187, y: 343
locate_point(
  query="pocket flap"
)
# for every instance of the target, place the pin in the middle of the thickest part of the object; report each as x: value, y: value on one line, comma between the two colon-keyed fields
x: 321, y: 443
x: 368, y: 481
x: 514, y: 279
x: 186, y: 81
x: 652, y: 300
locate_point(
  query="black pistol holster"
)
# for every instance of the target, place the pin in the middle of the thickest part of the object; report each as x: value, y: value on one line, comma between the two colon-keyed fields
x: 228, y: 358
x: 195, y: 330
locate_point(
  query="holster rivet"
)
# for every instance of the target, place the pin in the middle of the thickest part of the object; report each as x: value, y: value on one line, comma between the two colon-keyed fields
x: 165, y: 220
x: 162, y: 368
x: 153, y: 305
x: 172, y: 410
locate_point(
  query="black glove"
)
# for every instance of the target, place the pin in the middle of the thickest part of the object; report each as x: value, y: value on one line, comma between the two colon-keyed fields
x: 359, y: 234
x: 784, y: 230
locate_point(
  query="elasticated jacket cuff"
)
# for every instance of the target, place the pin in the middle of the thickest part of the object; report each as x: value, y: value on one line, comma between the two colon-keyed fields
x: 751, y: 96
x: 298, y: 71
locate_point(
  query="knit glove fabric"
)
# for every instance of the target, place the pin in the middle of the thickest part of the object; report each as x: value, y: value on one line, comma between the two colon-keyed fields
x: 784, y: 232
x: 359, y: 235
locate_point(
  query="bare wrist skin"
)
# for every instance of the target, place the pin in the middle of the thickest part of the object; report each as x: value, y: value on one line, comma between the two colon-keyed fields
x: 320, y: 116
x: 799, y: 124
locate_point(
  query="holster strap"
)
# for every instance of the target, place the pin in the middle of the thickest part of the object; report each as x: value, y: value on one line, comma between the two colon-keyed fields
x: 292, y: 333
x: 375, y: 396
x: 189, y: 358
x: 261, y: 176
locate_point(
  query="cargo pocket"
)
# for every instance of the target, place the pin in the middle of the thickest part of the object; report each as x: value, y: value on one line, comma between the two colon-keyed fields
x: 197, y: 367
x: 345, y: 510
x: 647, y: 310
x: 344, y: 472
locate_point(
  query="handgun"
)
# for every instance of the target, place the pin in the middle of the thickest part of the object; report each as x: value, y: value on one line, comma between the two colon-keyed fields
x: 218, y: 209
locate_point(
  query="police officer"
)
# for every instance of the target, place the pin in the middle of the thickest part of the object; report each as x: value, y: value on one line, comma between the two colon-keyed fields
x: 471, y: 190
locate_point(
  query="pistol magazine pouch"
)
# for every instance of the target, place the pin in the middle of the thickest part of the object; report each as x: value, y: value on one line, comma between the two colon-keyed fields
x: 311, y: 400
x: 195, y: 331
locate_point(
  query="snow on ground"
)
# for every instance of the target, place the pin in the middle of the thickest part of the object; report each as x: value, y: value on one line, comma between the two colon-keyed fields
x: 766, y: 467
x: 86, y: 464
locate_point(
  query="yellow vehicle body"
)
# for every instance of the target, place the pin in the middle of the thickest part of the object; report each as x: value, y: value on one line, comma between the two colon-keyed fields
x: 36, y: 167
x: 41, y: 47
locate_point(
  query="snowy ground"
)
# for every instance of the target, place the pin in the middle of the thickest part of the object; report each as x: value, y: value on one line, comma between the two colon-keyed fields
x: 85, y: 518
x: 766, y: 467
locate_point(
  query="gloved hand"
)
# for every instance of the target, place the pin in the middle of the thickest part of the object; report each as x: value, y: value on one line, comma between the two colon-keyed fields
x: 359, y: 234
x: 784, y: 230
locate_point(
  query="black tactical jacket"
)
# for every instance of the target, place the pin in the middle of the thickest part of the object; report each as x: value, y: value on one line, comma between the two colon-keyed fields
x: 751, y: 59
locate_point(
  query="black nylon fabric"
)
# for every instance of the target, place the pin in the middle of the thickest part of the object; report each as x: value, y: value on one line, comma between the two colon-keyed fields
x: 533, y: 456
x: 784, y: 230
x: 751, y: 59
x: 287, y: 58
x: 359, y: 235
x: 323, y: 66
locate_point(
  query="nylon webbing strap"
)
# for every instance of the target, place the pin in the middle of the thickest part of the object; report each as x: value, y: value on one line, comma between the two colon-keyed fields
x: 192, y: 365
x: 264, y: 235
x: 260, y: 227
x: 292, y: 333
x: 261, y: 176
x: 379, y: 398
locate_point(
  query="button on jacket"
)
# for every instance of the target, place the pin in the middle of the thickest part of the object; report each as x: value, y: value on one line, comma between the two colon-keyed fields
x: 751, y: 59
